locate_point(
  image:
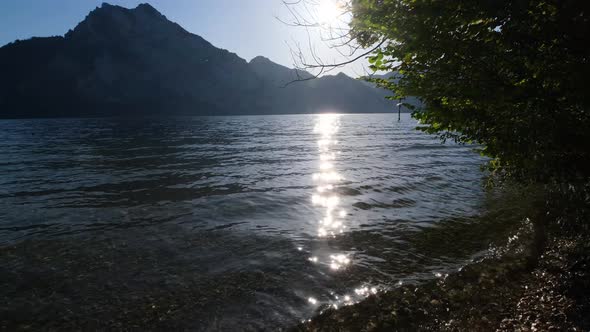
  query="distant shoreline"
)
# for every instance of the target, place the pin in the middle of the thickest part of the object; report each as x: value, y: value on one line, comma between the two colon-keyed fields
x: 187, y: 115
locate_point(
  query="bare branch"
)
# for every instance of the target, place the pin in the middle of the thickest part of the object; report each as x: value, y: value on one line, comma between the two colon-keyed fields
x: 301, y: 79
x: 335, y: 36
x: 343, y: 63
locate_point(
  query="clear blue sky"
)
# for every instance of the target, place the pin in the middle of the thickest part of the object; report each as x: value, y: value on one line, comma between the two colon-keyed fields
x: 246, y: 27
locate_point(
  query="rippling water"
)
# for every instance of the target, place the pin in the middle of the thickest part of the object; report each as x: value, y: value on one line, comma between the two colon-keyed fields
x: 229, y: 222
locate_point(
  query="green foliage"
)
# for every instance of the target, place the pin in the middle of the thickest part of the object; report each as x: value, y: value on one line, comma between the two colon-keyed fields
x: 512, y: 75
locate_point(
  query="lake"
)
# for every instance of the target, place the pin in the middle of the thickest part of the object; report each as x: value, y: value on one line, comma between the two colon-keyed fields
x: 229, y: 223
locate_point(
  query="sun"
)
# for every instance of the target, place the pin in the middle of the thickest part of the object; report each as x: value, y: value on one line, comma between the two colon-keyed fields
x: 329, y: 11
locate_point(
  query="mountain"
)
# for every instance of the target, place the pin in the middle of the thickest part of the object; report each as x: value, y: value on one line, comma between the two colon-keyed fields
x: 338, y: 93
x: 394, y: 76
x: 120, y: 61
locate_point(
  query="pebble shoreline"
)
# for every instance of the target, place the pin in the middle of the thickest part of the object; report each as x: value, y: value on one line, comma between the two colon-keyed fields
x: 501, y: 293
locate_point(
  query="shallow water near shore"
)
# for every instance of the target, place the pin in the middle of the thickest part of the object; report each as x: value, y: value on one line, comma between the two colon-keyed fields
x: 252, y: 222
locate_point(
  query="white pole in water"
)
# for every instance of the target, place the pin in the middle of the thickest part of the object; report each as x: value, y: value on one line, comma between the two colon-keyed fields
x: 399, y: 110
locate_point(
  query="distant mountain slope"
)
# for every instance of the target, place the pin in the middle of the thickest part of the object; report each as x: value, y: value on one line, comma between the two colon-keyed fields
x: 122, y: 61
x: 411, y: 100
x: 338, y: 93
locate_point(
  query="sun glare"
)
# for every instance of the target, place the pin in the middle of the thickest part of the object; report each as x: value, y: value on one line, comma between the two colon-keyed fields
x: 329, y: 11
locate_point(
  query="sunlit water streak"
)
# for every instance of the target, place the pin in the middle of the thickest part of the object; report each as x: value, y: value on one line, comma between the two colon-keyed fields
x: 327, y: 199
x: 227, y: 219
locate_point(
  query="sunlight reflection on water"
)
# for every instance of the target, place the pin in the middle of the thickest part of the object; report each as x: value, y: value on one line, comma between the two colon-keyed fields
x: 326, y: 127
x: 326, y: 198
x: 241, y: 216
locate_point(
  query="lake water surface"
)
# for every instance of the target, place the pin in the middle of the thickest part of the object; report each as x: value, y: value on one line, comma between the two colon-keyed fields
x: 229, y: 223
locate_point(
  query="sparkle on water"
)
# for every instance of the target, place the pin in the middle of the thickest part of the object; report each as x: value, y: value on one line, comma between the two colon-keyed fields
x: 326, y: 198
x: 257, y: 214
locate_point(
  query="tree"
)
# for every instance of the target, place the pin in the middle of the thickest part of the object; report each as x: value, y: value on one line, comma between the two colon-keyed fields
x: 512, y: 75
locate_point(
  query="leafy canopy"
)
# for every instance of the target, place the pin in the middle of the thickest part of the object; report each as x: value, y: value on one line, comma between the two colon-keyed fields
x: 512, y: 75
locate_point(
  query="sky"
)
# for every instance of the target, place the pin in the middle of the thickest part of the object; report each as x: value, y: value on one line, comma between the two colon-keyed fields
x: 246, y: 27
